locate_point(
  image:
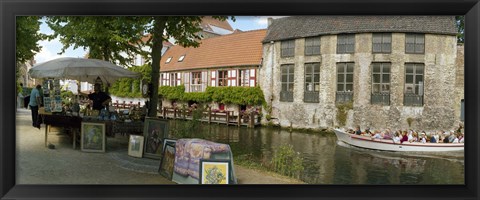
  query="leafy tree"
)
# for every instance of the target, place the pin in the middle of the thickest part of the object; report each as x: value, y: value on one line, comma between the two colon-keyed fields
x: 461, y: 28
x: 27, y: 37
x: 105, y: 37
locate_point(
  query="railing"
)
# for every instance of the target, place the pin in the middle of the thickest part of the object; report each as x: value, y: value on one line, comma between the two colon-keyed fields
x: 343, y: 96
x: 286, y: 96
x: 411, y: 99
x: 380, y: 98
x: 311, y: 97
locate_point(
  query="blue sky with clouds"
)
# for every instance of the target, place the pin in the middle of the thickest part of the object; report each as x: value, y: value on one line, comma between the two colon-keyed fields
x: 50, y: 49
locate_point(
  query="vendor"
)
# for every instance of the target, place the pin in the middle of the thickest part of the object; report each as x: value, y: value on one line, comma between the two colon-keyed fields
x: 100, y: 99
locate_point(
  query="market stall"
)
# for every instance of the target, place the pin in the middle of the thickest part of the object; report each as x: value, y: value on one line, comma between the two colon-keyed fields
x: 92, y: 125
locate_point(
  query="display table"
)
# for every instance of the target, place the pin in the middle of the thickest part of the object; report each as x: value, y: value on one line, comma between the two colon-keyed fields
x: 52, y: 119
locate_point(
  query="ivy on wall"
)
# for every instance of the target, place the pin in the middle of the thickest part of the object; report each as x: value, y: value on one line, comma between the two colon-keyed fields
x: 226, y: 95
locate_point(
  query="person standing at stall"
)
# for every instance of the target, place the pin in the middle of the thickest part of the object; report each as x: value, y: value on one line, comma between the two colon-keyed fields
x: 100, y: 99
x: 35, y: 102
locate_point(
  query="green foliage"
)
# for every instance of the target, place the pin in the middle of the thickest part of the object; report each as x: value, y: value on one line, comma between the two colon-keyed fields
x: 342, y: 111
x: 287, y: 162
x: 237, y: 95
x: 409, y: 121
x: 105, y: 37
x: 227, y: 95
x: 460, y: 22
x: 27, y: 37
x: 172, y: 93
x: 200, y: 97
x: 123, y: 87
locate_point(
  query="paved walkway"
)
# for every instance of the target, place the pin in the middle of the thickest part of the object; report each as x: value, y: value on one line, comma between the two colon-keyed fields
x: 37, y: 164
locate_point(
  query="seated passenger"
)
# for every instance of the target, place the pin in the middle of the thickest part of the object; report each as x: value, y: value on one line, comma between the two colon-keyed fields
x: 433, y: 139
x: 357, y: 130
x: 367, y: 132
x: 404, y: 137
x: 378, y: 135
x: 396, y: 139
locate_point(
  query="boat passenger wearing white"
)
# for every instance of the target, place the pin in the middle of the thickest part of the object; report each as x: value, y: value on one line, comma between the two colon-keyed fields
x: 462, y: 140
x: 378, y: 135
x: 396, y: 139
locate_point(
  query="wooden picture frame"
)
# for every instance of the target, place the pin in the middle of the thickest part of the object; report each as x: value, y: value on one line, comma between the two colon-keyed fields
x: 214, y: 171
x: 168, y: 160
x: 92, y: 137
x: 135, y: 146
x: 154, y: 131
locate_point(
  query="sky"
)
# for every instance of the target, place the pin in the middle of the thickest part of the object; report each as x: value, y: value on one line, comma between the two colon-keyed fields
x: 50, y: 49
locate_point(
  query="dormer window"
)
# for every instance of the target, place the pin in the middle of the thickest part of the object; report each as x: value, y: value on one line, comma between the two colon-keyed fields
x: 181, y: 58
x: 168, y: 59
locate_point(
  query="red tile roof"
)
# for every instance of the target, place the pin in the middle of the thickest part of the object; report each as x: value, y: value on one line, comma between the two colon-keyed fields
x: 240, y: 49
x: 211, y: 21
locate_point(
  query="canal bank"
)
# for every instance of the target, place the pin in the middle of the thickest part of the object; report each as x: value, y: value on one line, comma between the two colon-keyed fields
x: 37, y: 164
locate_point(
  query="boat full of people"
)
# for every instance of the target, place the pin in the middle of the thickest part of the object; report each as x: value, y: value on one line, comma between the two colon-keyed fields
x: 406, y: 140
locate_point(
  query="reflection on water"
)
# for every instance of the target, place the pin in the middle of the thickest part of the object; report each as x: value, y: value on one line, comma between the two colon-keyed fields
x: 328, y: 161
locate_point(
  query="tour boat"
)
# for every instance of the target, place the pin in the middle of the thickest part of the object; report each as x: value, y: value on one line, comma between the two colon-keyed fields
x: 388, y: 144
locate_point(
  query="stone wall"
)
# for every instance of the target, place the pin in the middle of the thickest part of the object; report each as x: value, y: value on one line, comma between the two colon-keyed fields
x: 442, y: 89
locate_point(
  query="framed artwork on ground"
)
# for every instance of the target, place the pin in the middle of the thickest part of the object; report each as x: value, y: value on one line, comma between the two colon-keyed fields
x: 168, y: 160
x: 135, y: 146
x: 154, y: 131
x: 214, y: 171
x: 169, y: 141
x: 92, y: 137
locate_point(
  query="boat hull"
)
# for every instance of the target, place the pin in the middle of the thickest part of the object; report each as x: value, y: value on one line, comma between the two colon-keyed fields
x: 389, y: 145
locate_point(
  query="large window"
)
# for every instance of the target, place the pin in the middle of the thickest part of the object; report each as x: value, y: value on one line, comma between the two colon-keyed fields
x: 287, y: 75
x: 174, y: 77
x: 288, y: 48
x: 414, y: 43
x: 223, y: 78
x: 196, y: 84
x: 381, y: 83
x: 244, y: 77
x: 165, y: 79
x: 414, y: 73
x: 344, y: 82
x: 312, y: 82
x: 382, y: 43
x: 312, y: 46
x: 346, y: 43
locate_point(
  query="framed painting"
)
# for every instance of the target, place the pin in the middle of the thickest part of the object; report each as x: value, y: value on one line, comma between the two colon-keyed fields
x: 168, y: 160
x: 92, y: 137
x: 168, y: 141
x: 154, y: 131
x: 214, y: 171
x: 135, y: 146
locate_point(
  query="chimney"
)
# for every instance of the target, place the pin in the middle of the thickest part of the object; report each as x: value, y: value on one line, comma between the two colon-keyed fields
x: 270, y: 20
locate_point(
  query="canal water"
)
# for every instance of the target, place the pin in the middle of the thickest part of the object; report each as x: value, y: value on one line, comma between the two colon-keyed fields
x: 328, y: 161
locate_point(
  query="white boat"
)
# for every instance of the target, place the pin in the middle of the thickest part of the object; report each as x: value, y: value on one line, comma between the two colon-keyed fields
x: 388, y: 144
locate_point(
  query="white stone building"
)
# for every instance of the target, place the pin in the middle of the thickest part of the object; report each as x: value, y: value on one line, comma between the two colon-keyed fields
x: 392, y: 70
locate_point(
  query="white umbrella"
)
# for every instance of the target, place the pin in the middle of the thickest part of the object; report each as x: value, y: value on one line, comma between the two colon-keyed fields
x: 81, y: 69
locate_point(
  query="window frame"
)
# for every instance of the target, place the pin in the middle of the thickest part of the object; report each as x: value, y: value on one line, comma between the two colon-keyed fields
x: 311, y: 47
x: 222, y: 78
x: 311, y: 95
x: 382, y: 96
x: 418, y: 42
x: 193, y: 85
x: 385, y: 45
x: 287, y: 48
x: 345, y: 43
x: 243, y: 77
x: 415, y: 97
x: 287, y: 95
x: 344, y: 95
